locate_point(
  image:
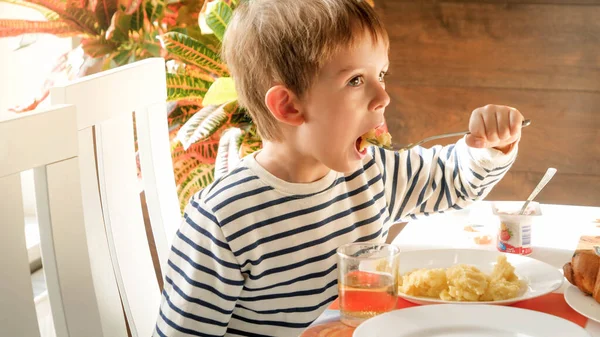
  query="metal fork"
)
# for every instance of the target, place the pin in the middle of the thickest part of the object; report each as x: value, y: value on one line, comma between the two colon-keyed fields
x: 398, y: 148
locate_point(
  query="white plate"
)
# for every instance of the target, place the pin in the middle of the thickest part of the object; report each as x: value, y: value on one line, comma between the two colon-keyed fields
x: 582, y: 303
x: 539, y: 277
x: 455, y: 320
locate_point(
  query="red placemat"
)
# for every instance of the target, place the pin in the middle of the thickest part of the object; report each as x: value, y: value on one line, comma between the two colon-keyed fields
x: 553, y: 304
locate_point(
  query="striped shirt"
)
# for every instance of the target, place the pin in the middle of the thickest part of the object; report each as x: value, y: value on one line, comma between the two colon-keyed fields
x: 256, y: 256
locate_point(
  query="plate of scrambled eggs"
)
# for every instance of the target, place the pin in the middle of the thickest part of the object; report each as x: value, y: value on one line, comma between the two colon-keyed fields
x: 470, y: 276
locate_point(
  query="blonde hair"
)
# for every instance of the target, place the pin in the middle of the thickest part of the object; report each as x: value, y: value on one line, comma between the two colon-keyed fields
x: 270, y: 42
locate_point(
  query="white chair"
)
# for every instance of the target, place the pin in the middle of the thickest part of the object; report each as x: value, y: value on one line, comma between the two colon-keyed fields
x: 45, y: 141
x: 119, y: 249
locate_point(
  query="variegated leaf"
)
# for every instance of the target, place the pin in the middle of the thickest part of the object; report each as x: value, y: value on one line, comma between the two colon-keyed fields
x: 155, y: 9
x: 228, y: 155
x: 221, y: 91
x: 18, y: 27
x: 97, y: 47
x: 249, y: 142
x: 48, y: 14
x: 82, y: 18
x: 198, y: 176
x: 130, y: 6
x: 104, y: 11
x: 193, y: 52
x: 218, y: 18
x: 240, y: 118
x: 205, y: 123
x: 185, y: 87
x: 194, y: 71
x: 78, y: 17
x: 205, y: 151
x: 119, y: 27
x: 181, y: 114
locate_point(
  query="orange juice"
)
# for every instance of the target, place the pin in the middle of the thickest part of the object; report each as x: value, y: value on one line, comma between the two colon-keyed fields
x: 366, y: 294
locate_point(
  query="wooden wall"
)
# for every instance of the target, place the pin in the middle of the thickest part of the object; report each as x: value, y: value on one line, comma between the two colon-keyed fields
x: 539, y: 56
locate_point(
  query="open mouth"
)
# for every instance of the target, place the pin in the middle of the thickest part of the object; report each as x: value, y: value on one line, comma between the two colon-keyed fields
x: 375, y: 136
x: 361, y: 145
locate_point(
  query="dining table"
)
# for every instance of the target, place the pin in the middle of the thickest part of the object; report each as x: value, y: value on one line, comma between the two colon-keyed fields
x: 555, y: 235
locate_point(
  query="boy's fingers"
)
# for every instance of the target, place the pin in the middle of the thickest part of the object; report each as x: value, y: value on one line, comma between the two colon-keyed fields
x: 474, y: 141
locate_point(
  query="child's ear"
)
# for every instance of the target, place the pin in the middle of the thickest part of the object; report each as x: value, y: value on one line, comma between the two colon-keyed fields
x: 283, y: 104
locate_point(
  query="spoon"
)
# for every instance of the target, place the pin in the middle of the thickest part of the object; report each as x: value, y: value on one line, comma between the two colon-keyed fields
x: 545, y: 179
x: 597, y: 250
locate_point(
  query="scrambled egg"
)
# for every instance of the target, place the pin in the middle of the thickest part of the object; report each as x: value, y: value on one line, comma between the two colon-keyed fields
x: 463, y: 282
x: 384, y: 139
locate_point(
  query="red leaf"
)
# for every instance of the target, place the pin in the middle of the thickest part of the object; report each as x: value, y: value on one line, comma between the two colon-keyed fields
x: 17, y: 27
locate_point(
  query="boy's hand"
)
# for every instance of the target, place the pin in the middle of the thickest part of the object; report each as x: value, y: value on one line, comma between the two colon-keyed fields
x: 496, y: 126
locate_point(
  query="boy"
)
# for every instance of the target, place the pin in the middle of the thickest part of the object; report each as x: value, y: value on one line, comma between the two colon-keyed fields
x: 255, y: 255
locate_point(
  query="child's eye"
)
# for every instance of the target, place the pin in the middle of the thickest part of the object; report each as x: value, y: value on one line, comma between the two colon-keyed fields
x: 356, y: 81
x: 382, y: 76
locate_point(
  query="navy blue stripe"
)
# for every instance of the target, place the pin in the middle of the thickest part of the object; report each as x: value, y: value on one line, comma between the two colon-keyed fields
x: 200, y: 284
x: 192, y: 316
x: 463, y: 190
x: 194, y: 299
x: 207, y: 252
x: 309, y: 260
x: 499, y: 168
x: 383, y: 159
x: 202, y: 211
x: 245, y: 333
x: 242, y: 196
x: 218, y: 181
x: 312, y: 226
x: 325, y: 238
x: 477, y: 175
x: 415, y: 179
x: 497, y: 174
x: 205, y: 269
x: 184, y: 330
x: 226, y: 187
x: 290, y: 310
x: 279, y: 201
x: 298, y: 279
x: 370, y: 237
x: 490, y: 183
x: 443, y: 185
x: 160, y: 333
x: 297, y: 213
x: 272, y: 323
x: 290, y: 294
x: 422, y: 193
x: 395, y: 179
x: 205, y: 233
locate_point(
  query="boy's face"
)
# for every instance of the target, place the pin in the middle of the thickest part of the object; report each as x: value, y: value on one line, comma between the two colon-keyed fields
x: 347, y: 99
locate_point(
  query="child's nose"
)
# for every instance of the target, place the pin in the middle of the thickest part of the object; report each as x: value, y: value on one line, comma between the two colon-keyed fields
x: 381, y: 99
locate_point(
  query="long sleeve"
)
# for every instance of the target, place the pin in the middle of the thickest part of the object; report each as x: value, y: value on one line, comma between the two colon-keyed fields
x: 427, y: 180
x: 203, y: 281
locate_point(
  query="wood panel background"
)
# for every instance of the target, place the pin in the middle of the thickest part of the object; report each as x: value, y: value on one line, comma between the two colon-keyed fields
x: 541, y: 57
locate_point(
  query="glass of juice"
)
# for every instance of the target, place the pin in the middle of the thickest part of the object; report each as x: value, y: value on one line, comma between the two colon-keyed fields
x: 367, y: 280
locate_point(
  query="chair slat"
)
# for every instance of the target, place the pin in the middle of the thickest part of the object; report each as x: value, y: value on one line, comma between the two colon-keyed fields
x: 158, y: 177
x: 125, y: 224
x: 17, y: 309
x: 65, y: 256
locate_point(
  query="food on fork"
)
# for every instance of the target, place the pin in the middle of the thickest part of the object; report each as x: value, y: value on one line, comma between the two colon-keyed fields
x: 375, y: 136
x: 584, y: 272
x: 463, y: 282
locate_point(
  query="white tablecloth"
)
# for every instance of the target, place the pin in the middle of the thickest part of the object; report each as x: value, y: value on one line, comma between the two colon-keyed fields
x: 554, y: 237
